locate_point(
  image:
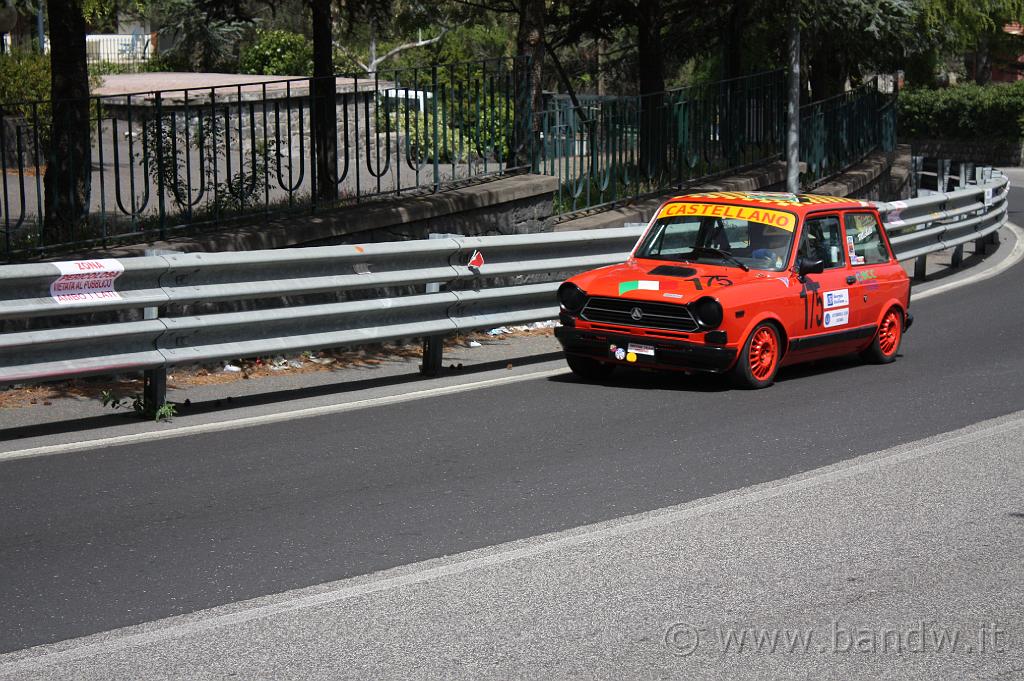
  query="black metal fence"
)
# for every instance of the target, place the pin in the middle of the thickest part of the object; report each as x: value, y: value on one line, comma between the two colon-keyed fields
x: 163, y: 162
x: 837, y: 132
x: 614, y: 149
x: 166, y: 161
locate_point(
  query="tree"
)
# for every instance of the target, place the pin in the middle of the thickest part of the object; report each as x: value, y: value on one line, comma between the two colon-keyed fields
x: 324, y: 90
x: 68, y: 169
x: 973, y: 26
x: 530, y: 48
x: 202, y: 35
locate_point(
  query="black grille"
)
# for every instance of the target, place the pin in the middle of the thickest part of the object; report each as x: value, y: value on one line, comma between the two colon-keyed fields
x: 653, y: 315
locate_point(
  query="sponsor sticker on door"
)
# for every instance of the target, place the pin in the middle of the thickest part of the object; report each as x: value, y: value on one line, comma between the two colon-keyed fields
x: 82, y: 281
x: 837, y: 317
x: 837, y: 298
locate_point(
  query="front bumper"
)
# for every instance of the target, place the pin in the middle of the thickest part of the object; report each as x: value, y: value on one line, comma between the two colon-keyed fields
x: 669, y: 354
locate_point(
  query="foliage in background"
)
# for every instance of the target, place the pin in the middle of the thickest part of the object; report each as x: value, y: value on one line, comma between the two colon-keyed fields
x: 24, y: 77
x: 25, y: 91
x: 164, y: 139
x: 197, y: 34
x: 486, y: 136
x: 278, y: 53
x: 963, y: 112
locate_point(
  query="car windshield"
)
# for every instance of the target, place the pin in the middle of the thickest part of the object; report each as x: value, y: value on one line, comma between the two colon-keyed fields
x: 733, y: 236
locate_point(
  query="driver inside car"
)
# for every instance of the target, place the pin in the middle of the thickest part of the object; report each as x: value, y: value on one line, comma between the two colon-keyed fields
x: 772, y: 245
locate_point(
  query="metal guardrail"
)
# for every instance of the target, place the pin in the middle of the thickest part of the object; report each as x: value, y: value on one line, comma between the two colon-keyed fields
x: 943, y: 220
x: 916, y: 227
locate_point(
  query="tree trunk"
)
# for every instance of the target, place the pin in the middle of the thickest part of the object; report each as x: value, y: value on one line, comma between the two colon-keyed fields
x: 651, y: 62
x: 983, y: 61
x: 529, y: 82
x: 828, y: 75
x: 68, y: 170
x: 793, y: 100
x: 733, y: 40
x: 324, y: 104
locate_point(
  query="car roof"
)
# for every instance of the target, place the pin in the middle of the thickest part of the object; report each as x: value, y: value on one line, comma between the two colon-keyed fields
x: 797, y: 203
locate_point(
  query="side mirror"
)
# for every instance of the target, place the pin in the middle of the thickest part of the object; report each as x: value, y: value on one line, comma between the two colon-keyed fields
x: 810, y: 266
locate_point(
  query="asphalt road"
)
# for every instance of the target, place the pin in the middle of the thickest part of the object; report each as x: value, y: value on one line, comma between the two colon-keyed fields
x: 95, y: 540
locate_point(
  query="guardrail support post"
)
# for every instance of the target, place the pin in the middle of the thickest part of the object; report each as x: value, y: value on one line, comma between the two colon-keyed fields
x: 154, y: 391
x: 916, y: 166
x: 154, y: 381
x: 433, y: 346
x: 942, y: 175
x: 921, y: 268
x: 433, y: 355
x: 958, y: 256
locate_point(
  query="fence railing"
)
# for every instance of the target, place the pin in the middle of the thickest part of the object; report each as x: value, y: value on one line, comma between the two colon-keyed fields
x: 120, y: 52
x: 505, y: 290
x: 162, y: 162
x: 609, y: 150
x: 166, y: 161
x: 837, y: 132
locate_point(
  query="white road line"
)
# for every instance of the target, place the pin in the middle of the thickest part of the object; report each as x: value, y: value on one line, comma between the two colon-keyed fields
x: 112, y: 642
x: 265, y: 419
x: 1015, y: 256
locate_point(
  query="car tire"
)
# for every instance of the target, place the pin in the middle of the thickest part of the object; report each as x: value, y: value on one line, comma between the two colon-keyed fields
x: 759, y: 358
x: 888, y: 338
x: 590, y: 369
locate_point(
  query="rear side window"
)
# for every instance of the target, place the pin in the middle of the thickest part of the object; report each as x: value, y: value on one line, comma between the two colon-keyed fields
x: 864, y: 242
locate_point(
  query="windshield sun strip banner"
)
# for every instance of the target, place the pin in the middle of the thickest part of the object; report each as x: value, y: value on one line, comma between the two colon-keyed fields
x: 764, y: 216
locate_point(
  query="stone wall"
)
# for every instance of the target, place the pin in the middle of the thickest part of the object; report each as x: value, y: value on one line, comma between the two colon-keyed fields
x: 993, y: 152
x: 517, y: 204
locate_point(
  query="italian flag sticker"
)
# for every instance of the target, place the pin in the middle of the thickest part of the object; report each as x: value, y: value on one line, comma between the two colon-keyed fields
x: 626, y: 286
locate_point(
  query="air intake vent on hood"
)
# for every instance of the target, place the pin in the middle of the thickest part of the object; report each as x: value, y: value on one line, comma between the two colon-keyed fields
x: 673, y: 271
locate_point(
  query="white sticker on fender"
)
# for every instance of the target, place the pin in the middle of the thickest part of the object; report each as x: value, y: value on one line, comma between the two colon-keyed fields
x: 837, y: 317
x: 837, y: 298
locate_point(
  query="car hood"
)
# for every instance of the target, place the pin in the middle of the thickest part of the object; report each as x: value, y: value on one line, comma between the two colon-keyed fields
x: 669, y: 281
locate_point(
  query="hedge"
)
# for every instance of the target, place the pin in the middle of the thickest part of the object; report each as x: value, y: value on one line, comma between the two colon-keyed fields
x: 278, y: 53
x: 963, y: 112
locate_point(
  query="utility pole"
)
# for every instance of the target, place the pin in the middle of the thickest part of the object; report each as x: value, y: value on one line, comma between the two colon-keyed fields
x: 793, y: 101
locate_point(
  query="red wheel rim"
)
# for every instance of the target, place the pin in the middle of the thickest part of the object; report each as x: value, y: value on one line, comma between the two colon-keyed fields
x: 764, y: 353
x: 889, y: 332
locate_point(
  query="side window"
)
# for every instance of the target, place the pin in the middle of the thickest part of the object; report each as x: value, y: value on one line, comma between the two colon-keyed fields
x: 863, y: 241
x: 823, y: 240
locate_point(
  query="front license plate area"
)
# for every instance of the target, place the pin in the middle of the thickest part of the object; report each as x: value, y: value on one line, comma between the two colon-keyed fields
x: 640, y: 349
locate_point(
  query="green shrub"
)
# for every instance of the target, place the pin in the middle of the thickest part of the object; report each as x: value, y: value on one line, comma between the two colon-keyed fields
x: 25, y: 91
x: 278, y: 53
x: 24, y: 77
x: 963, y: 112
x: 454, y: 141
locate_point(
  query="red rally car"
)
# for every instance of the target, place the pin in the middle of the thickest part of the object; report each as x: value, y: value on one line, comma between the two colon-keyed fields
x: 741, y: 283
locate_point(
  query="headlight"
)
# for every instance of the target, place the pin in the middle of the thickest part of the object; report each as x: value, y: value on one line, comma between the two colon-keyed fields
x: 708, y: 312
x: 571, y: 297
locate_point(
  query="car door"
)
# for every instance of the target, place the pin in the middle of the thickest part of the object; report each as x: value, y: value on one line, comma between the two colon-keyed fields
x: 825, y: 296
x: 870, y: 264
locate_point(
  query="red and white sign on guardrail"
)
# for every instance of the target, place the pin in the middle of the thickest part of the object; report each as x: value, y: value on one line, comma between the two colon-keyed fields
x: 82, y: 281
